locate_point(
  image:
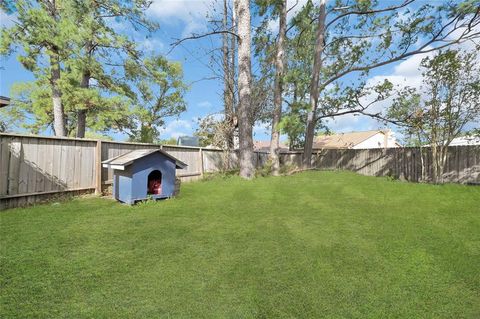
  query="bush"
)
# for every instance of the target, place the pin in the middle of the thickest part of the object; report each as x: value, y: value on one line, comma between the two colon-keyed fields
x: 265, y: 170
x: 222, y: 174
x: 288, y: 169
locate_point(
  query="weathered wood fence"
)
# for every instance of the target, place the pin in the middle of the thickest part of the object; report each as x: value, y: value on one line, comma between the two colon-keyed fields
x: 34, y: 168
x: 462, y: 164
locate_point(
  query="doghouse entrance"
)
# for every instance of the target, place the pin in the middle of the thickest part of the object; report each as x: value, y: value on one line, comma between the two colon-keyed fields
x: 154, y: 183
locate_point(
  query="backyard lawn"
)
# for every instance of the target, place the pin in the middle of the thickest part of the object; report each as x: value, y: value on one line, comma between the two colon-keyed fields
x: 311, y: 245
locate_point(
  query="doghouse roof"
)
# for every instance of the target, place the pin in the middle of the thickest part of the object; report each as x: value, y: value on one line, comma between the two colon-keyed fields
x: 122, y: 161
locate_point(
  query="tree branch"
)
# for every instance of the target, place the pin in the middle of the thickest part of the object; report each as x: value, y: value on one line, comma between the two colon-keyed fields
x: 195, y: 37
x: 292, y: 7
x: 358, y: 12
x: 422, y: 50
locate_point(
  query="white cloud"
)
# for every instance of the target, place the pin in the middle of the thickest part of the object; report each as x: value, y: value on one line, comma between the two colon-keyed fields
x: 181, y: 9
x: 176, y: 128
x: 151, y: 45
x: 409, y: 67
x: 406, y: 73
x: 344, y: 123
x: 7, y: 20
x: 191, y: 13
x: 272, y: 25
x: 465, y: 45
x: 204, y: 104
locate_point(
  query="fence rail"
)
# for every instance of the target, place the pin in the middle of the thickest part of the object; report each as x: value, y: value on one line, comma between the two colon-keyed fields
x: 35, y: 168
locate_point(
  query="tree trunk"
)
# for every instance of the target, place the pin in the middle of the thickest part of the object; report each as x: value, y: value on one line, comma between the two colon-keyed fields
x: 422, y: 163
x: 227, y: 80
x: 81, y: 123
x: 442, y: 161
x: 233, y: 50
x: 435, y: 163
x: 317, y: 65
x: 59, y: 119
x: 82, y: 113
x: 58, y: 111
x: 278, y: 89
x: 247, y: 168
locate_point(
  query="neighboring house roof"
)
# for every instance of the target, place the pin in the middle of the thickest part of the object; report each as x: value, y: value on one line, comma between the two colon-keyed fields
x: 265, y: 146
x: 4, y: 101
x: 355, y: 139
x: 343, y: 140
x: 122, y: 161
x: 465, y: 140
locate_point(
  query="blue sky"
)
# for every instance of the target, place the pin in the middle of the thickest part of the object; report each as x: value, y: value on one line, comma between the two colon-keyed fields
x: 178, y: 18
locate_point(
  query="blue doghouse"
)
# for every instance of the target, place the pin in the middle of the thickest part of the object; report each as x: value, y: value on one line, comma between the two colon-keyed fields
x: 143, y: 174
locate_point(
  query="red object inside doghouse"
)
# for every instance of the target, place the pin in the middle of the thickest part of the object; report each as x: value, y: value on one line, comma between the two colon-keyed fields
x: 155, y: 183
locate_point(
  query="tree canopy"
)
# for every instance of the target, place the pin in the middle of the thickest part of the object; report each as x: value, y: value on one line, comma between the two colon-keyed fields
x: 87, y: 73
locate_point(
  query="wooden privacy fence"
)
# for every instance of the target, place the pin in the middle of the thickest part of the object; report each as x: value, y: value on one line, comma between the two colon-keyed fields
x: 35, y: 168
x: 462, y: 164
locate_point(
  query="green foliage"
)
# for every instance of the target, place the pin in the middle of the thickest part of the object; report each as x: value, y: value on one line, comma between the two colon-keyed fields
x: 102, y: 72
x: 288, y: 169
x: 315, y: 245
x: 209, y: 131
x: 265, y: 170
x: 32, y: 100
x: 299, y: 51
x: 466, y: 7
x: 212, y: 131
x: 447, y: 102
x: 359, y: 36
x: 223, y: 174
x: 3, y: 123
x: 293, y: 124
x: 44, y: 37
x: 97, y: 136
x: 159, y: 94
x: 42, y: 31
x: 169, y: 141
x: 444, y: 107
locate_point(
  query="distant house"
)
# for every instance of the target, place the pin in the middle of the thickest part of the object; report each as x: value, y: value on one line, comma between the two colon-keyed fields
x: 4, y: 101
x: 264, y: 146
x: 357, y: 140
x: 466, y: 140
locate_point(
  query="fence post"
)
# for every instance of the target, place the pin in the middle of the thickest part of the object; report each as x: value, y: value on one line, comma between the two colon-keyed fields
x: 200, y: 153
x: 98, y: 168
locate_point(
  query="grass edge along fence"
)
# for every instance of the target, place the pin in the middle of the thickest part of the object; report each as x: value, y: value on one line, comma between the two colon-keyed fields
x: 37, y: 168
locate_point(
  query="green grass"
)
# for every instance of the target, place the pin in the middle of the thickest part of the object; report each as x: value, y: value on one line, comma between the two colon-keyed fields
x: 316, y: 244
